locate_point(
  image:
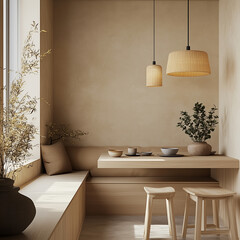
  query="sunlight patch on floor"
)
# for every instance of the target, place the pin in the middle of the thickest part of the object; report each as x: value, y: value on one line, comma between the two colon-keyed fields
x: 155, y: 230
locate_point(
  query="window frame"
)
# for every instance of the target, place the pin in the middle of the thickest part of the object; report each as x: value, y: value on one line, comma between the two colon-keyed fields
x: 11, y: 55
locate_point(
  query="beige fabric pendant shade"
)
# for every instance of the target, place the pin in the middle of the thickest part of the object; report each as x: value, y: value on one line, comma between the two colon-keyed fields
x: 154, y: 76
x: 188, y: 63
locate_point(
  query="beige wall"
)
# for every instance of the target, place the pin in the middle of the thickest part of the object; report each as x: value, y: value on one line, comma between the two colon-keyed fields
x: 229, y: 92
x: 46, y: 72
x: 101, y: 50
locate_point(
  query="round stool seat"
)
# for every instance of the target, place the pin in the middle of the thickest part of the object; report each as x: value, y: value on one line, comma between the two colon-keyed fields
x: 209, y: 192
x: 165, y: 192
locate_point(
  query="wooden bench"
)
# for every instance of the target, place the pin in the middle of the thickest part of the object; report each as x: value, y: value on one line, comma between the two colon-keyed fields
x: 60, y: 205
x: 126, y: 196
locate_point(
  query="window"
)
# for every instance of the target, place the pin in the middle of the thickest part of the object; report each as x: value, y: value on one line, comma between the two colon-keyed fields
x: 17, y: 19
x: 11, y: 57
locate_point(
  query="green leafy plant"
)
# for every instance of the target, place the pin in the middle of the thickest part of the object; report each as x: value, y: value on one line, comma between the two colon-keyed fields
x: 201, y: 124
x: 57, y: 132
x: 17, y: 133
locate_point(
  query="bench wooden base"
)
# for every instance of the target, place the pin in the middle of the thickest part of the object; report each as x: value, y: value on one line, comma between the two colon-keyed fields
x: 60, y: 205
x: 126, y: 196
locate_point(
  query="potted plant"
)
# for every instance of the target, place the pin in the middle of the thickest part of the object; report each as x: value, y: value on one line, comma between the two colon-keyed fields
x: 16, y: 135
x: 199, y: 127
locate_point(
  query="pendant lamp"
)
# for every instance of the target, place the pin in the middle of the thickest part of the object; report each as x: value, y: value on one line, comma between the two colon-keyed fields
x: 188, y: 63
x: 154, y: 72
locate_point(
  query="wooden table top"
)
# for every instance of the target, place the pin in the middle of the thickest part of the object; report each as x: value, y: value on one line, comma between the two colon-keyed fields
x: 156, y: 161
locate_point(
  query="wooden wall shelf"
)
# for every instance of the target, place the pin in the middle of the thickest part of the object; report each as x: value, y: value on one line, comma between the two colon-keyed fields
x: 213, y: 161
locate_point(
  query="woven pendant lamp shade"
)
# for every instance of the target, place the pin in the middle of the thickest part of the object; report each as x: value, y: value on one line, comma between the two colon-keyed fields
x: 154, y: 76
x: 188, y: 63
x: 154, y: 71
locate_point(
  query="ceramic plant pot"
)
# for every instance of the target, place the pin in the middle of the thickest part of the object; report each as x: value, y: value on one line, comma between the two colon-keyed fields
x: 199, y: 149
x: 16, y: 210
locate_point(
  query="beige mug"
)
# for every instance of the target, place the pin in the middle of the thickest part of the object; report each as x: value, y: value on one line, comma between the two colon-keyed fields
x: 132, y: 151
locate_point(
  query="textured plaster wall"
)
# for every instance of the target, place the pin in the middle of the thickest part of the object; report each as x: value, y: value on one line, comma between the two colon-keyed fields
x: 101, y: 50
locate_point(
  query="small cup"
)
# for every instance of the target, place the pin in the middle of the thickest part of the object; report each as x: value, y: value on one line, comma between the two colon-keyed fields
x: 132, y: 151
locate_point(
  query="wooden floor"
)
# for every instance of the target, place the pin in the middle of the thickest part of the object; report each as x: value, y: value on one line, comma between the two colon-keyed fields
x: 131, y: 228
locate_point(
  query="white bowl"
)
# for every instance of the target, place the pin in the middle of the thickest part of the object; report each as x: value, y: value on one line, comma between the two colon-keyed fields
x: 169, y: 151
x: 115, y: 153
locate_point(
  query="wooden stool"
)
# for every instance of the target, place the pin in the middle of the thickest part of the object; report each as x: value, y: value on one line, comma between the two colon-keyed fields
x: 200, y: 195
x: 160, y: 193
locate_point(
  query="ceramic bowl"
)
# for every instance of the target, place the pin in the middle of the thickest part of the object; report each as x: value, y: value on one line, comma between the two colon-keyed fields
x: 146, y: 153
x: 169, y: 151
x: 115, y: 153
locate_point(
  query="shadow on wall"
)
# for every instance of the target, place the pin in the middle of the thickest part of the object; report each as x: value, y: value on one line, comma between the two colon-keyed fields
x: 224, y: 127
x: 229, y: 71
x: 229, y: 83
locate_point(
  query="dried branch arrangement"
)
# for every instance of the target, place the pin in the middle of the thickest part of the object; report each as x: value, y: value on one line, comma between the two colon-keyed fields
x: 57, y: 132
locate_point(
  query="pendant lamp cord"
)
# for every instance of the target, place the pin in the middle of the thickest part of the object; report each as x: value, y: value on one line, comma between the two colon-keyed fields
x: 188, y: 45
x: 154, y: 29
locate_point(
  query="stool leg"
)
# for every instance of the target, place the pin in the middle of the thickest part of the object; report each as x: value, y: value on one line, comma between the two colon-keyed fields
x: 185, y: 218
x: 148, y: 217
x: 204, y: 215
x: 171, y: 217
x: 232, y: 219
x: 215, y: 206
x: 198, y: 216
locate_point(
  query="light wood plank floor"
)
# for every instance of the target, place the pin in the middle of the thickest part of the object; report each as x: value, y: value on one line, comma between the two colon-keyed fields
x: 131, y: 228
